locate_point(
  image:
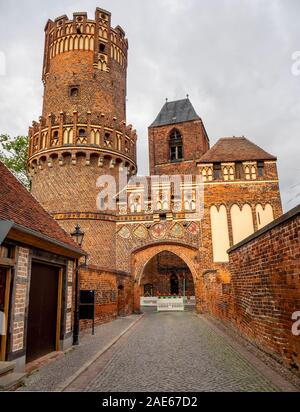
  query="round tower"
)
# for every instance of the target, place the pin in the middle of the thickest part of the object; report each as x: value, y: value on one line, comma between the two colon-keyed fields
x: 82, y: 133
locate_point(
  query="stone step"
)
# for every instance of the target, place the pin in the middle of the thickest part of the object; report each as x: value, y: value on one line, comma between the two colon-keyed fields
x: 11, y: 381
x: 6, y: 367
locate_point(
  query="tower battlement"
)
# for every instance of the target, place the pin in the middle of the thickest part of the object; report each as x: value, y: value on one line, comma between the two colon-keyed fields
x: 92, y: 134
x: 85, y: 66
x: 82, y: 34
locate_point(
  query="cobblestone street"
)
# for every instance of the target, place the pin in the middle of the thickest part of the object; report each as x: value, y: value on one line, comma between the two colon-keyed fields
x: 177, y: 352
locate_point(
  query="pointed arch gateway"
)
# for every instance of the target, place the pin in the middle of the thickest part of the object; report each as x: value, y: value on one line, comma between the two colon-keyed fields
x: 141, y: 258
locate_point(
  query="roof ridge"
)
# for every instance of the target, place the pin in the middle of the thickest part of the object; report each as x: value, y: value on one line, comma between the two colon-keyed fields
x: 235, y: 149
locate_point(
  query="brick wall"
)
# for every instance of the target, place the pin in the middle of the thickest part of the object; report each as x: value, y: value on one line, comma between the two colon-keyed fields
x: 195, y: 144
x: 216, y: 292
x: 266, y: 287
x: 20, y: 298
x: 99, y: 91
x: 69, y: 293
x: 99, y: 240
x: 106, y: 297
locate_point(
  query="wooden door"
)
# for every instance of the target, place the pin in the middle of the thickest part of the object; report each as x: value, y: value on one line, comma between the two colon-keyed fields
x: 42, y: 312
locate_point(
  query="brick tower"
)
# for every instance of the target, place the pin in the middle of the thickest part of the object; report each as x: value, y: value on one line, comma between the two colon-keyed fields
x: 82, y: 133
x: 177, y: 138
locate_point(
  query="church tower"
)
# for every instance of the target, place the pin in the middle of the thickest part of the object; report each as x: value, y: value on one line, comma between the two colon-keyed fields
x: 82, y: 133
x: 177, y: 138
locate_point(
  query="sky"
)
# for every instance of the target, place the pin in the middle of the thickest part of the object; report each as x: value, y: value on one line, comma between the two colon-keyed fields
x: 233, y: 58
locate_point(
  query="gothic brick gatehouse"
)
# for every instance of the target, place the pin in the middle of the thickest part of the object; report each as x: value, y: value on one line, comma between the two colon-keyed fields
x: 82, y: 134
x: 148, y: 244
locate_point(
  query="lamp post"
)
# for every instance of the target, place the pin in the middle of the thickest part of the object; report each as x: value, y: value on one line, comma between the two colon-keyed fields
x: 78, y: 236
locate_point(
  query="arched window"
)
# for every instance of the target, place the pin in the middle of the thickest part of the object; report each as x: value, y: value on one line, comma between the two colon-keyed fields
x: 82, y: 133
x: 176, y: 146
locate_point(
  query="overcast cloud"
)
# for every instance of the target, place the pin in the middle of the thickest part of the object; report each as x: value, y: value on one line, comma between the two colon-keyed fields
x: 233, y: 57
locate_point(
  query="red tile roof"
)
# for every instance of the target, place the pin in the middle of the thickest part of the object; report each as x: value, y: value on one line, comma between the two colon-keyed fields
x: 235, y: 149
x: 18, y: 205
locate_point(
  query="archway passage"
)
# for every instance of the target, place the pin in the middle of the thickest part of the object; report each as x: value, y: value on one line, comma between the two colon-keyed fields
x: 166, y: 274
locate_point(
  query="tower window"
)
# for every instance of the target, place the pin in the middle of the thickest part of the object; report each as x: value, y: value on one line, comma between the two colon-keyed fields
x: 175, y: 135
x: 82, y: 133
x: 55, y: 134
x: 260, y: 168
x: 74, y: 91
x: 217, y: 171
x: 102, y: 48
x: 78, y: 30
x: 176, y: 146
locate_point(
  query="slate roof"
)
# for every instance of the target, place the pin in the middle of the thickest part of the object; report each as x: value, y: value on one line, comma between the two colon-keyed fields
x: 235, y: 149
x: 178, y: 111
x: 19, y: 206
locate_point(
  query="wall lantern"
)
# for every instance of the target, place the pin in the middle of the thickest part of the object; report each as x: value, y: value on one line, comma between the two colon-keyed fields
x: 78, y: 235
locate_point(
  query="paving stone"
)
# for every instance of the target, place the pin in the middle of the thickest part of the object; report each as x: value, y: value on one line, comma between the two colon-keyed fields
x: 177, y: 352
x: 55, y: 373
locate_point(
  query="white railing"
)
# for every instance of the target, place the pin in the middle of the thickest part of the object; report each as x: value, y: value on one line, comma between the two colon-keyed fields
x: 153, y: 301
x: 166, y: 304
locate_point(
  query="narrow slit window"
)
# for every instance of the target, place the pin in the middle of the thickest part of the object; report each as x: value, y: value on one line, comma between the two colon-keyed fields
x: 74, y: 91
x: 217, y: 171
x: 260, y: 169
x: 102, y: 48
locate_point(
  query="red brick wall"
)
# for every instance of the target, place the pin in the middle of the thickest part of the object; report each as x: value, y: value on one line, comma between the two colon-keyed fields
x: 106, y: 298
x: 113, y: 297
x: 195, y: 144
x: 20, y: 299
x: 266, y: 289
x: 98, y: 91
x: 216, y: 292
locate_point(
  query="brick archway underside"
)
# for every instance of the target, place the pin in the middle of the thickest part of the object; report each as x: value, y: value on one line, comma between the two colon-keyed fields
x: 140, y: 258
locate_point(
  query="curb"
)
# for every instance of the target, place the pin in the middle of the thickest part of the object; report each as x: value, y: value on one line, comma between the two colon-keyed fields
x: 71, y: 379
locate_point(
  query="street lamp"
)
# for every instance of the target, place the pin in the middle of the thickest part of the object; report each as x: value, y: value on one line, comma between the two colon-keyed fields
x: 78, y: 236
